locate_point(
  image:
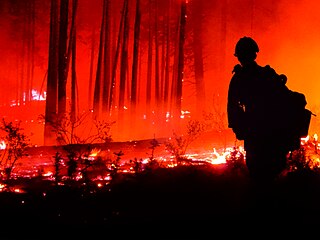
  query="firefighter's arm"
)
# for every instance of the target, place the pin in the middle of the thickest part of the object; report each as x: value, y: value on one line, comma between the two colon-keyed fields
x: 235, y: 111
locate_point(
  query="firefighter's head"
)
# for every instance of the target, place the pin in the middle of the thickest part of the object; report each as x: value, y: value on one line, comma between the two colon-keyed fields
x: 246, y: 50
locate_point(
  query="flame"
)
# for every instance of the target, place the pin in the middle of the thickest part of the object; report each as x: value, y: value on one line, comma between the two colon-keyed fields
x: 212, y: 156
x: 36, y: 96
x: 94, y: 153
x: 3, y: 145
x: 48, y: 174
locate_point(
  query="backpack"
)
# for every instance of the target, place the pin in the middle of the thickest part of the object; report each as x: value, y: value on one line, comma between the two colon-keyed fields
x: 298, y: 118
x: 295, y: 117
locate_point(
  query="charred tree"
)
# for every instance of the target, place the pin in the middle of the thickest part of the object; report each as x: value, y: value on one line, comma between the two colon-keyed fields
x: 180, y: 67
x: 99, y: 71
x: 73, y: 113
x: 73, y: 48
x: 156, y: 67
x: 135, y: 58
x: 115, y: 60
x: 52, y: 81
x: 167, y: 61
x: 106, y: 76
x: 63, y: 58
x: 149, y: 64
x: 174, y: 73
x: 123, y: 70
x: 197, y: 11
x: 30, y: 38
x: 124, y: 59
x: 92, y: 54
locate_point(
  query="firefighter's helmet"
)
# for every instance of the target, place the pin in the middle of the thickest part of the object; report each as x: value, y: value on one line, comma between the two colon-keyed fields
x: 245, y: 46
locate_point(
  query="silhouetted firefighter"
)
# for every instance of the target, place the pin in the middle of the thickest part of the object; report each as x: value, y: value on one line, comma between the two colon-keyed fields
x: 264, y: 113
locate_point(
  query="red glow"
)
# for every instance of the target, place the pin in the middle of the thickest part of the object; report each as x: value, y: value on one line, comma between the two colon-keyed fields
x: 281, y: 28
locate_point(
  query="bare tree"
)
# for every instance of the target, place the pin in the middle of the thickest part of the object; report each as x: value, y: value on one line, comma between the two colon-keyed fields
x: 107, y: 60
x: 115, y: 60
x: 135, y: 58
x: 182, y: 25
x: 167, y: 57
x: 63, y: 59
x: 149, y: 70
x: 97, y: 86
x: 198, y: 56
x: 72, y: 48
x: 156, y: 67
x: 124, y: 58
x: 52, y: 82
x: 92, y: 55
x: 16, y: 143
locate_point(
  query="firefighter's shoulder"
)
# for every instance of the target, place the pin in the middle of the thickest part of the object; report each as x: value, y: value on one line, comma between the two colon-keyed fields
x: 237, y: 69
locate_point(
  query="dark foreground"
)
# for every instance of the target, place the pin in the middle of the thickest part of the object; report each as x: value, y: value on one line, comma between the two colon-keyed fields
x: 194, y: 202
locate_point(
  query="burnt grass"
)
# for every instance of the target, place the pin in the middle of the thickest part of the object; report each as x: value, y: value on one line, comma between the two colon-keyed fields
x: 185, y: 202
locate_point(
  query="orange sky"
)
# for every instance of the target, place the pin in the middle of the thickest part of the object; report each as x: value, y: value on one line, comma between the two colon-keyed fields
x: 286, y: 31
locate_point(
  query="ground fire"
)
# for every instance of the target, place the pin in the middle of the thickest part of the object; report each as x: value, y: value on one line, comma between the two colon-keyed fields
x: 101, y: 164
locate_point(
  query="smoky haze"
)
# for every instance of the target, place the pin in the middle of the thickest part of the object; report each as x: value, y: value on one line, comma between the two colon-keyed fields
x: 286, y: 32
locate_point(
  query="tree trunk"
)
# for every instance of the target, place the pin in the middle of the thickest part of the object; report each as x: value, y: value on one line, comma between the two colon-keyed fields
x: 157, y: 72
x: 92, y: 54
x: 123, y: 71
x: 107, y: 59
x: 30, y: 8
x: 167, y: 69
x: 52, y: 82
x: 73, y: 84
x: 124, y: 59
x: 135, y: 59
x: 149, y: 71
x: 97, y: 86
x: 63, y: 59
x: 198, y: 57
x: 73, y: 72
x: 174, y: 84
x: 182, y: 25
x: 115, y: 61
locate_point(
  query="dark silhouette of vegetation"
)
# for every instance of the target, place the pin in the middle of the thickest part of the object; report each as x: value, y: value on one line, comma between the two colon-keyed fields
x: 72, y: 164
x: 178, y: 145
x: 115, y: 165
x: 216, y: 119
x: 137, y: 165
x: 235, y: 160
x: 182, y: 194
x: 85, y: 129
x: 153, y: 163
x: 57, y: 167
x: 16, y: 143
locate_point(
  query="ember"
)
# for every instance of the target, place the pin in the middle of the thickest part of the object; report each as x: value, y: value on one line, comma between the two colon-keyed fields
x: 33, y: 166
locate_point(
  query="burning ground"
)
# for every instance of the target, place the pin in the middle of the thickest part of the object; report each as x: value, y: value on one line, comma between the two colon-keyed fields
x: 164, y: 198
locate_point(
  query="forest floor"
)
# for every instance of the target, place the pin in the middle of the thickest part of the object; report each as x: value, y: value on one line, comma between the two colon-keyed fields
x: 188, y: 202
x: 183, y: 202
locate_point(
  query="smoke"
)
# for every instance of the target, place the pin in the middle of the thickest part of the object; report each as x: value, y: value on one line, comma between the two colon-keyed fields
x: 298, y: 50
x: 286, y: 31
